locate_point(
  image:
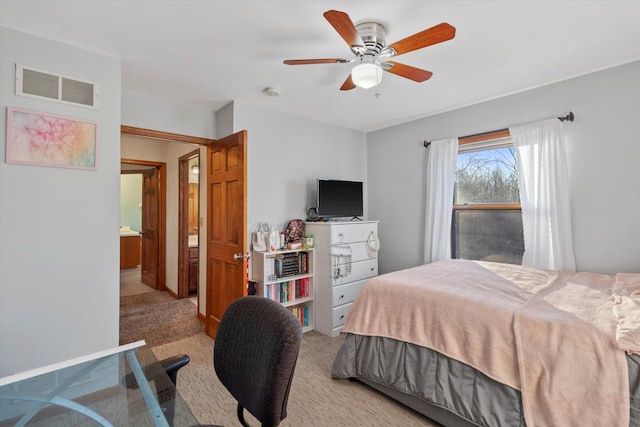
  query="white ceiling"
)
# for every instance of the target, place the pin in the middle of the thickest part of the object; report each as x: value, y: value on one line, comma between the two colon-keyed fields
x: 207, y: 53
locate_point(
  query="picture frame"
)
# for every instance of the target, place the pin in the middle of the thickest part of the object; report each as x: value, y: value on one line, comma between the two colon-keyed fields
x: 42, y: 139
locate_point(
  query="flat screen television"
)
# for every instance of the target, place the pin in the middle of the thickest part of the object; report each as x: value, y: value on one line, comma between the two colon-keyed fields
x: 339, y: 198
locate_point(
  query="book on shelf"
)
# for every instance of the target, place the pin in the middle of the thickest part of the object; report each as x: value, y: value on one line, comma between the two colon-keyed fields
x: 287, y: 264
x: 302, y: 314
x: 303, y: 263
x: 288, y: 291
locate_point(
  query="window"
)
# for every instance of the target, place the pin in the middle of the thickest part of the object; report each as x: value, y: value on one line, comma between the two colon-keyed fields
x: 487, y: 218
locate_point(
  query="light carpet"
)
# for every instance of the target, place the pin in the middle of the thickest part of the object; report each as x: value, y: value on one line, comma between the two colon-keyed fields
x: 157, y: 318
x: 315, y: 398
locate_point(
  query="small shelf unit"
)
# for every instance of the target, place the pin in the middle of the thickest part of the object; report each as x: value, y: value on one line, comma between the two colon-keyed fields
x: 287, y: 276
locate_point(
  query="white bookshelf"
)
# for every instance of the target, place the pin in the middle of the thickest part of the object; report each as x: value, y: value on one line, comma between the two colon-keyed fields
x: 294, y: 288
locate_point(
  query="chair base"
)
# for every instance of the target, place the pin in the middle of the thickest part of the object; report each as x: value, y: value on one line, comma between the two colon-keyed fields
x: 241, y: 416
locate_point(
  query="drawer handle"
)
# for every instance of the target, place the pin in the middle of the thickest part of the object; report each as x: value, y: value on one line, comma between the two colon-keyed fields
x: 341, y: 296
x: 342, y: 317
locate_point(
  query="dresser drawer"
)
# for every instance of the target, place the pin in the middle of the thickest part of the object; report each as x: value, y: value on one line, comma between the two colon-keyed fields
x: 339, y: 314
x: 356, y: 232
x: 347, y: 293
x: 359, y: 271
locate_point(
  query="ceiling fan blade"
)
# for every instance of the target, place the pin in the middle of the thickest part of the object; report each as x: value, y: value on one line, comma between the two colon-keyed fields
x: 315, y: 61
x: 344, y: 26
x: 348, y: 84
x: 409, y: 72
x: 438, y: 34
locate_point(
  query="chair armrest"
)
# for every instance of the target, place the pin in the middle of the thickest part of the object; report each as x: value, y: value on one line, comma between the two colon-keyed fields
x: 173, y: 364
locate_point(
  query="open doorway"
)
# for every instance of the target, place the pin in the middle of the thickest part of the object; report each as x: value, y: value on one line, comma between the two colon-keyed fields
x: 222, y: 234
x: 170, y: 148
x: 189, y: 220
x: 144, y: 232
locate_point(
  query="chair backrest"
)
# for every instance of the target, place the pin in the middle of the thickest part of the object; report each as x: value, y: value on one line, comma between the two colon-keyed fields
x: 255, y: 354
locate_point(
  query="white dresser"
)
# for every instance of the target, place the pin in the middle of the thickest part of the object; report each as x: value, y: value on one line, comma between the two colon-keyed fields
x: 346, y: 255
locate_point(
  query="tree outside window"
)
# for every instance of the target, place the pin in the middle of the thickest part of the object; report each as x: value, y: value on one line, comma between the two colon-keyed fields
x: 487, y: 218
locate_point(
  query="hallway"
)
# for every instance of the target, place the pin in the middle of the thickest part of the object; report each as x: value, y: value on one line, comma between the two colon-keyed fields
x: 130, y: 283
x: 154, y: 316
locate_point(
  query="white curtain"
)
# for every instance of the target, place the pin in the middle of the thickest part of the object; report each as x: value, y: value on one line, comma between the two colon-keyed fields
x: 544, y: 195
x: 441, y: 173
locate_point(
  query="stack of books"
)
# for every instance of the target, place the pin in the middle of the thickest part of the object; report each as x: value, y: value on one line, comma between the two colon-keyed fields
x: 289, y: 264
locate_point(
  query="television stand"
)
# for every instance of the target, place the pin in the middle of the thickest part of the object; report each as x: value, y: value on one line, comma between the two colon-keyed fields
x: 356, y: 218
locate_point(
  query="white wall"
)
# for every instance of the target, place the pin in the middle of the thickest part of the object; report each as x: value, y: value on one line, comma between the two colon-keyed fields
x: 602, y: 147
x: 286, y: 155
x: 147, y: 112
x: 59, y: 245
x: 131, y: 201
x: 224, y: 121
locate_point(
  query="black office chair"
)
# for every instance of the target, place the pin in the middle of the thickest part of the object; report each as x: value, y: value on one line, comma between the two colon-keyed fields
x: 255, y: 354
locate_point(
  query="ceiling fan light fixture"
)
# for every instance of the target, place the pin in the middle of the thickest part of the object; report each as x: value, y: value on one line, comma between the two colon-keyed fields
x: 366, y: 75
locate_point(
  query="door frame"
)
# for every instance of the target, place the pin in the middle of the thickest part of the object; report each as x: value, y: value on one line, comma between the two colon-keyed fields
x: 168, y: 136
x: 183, y: 223
x: 161, y: 169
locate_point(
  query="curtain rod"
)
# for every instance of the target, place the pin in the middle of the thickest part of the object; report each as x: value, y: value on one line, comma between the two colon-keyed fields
x: 569, y: 117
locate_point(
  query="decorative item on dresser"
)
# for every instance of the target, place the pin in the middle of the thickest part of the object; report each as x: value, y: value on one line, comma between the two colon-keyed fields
x: 346, y: 256
x: 287, y: 276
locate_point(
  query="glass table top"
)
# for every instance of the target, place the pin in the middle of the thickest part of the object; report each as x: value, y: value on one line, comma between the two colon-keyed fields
x: 126, y: 388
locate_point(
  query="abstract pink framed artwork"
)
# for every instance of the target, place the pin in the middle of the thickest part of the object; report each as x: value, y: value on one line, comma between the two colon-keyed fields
x: 42, y: 139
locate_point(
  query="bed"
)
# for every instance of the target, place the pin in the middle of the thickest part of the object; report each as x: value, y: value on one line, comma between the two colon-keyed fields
x: 471, y: 343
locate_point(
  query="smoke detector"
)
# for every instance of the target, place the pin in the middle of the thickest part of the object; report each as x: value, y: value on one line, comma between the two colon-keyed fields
x: 272, y: 91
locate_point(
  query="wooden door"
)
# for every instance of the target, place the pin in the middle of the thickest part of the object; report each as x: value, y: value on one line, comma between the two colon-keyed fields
x: 150, y: 240
x: 188, y: 223
x: 226, y: 225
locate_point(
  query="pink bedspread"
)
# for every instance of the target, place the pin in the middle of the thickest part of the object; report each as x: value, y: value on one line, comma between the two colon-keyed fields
x: 551, y: 335
x: 626, y: 300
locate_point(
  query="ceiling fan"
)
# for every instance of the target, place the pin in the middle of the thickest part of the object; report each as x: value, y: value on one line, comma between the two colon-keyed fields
x: 368, y: 44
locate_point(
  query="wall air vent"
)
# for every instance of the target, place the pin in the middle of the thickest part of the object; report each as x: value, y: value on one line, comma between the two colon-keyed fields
x: 36, y: 83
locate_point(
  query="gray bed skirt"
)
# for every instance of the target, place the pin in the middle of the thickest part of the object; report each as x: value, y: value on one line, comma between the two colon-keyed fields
x: 445, y: 390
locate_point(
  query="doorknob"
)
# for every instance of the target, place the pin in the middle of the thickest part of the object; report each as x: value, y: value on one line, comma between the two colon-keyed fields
x: 241, y: 256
